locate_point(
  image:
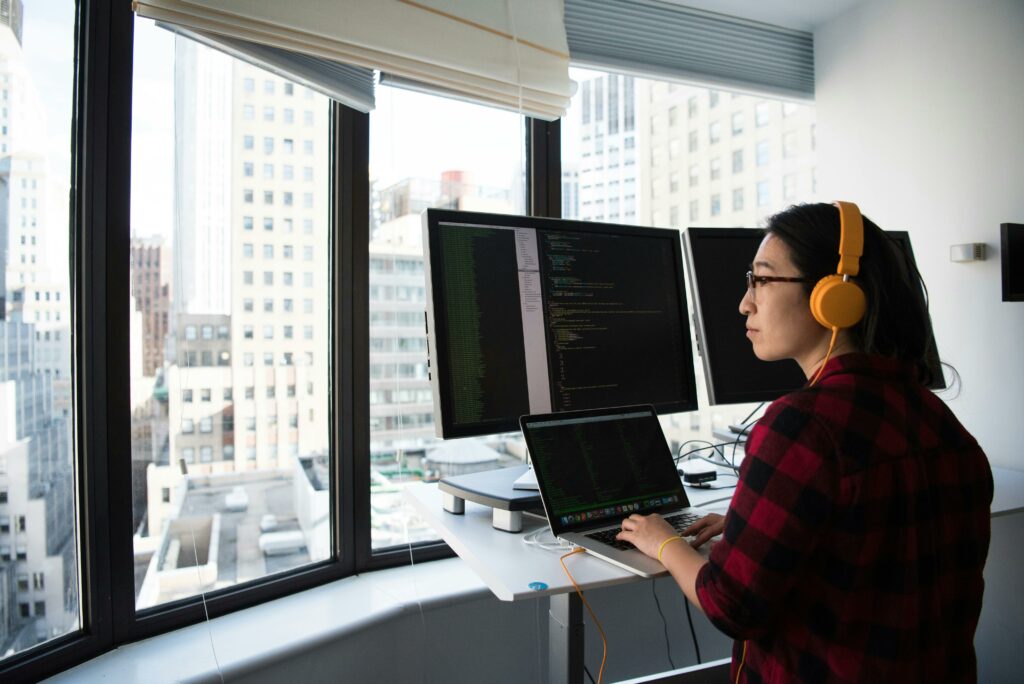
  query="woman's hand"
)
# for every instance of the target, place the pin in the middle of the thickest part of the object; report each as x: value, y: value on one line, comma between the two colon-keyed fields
x: 646, y: 532
x: 704, y: 529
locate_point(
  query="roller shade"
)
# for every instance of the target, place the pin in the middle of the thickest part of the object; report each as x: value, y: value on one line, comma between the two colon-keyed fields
x: 660, y: 39
x: 349, y: 85
x: 507, y: 52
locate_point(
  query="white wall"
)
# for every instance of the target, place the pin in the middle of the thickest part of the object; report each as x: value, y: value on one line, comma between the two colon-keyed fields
x: 921, y: 121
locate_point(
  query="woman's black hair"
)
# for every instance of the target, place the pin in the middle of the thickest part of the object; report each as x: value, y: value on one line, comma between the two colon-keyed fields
x: 896, y: 323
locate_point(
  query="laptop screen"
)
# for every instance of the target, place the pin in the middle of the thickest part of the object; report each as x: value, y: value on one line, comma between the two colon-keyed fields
x: 593, y: 467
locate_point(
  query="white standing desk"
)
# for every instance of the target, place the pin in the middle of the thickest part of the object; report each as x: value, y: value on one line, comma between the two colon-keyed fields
x: 509, y: 567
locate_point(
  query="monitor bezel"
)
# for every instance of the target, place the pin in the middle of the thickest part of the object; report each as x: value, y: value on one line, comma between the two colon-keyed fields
x: 436, y: 340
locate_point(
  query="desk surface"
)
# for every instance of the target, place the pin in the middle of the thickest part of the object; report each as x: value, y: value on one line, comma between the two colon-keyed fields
x: 508, y: 565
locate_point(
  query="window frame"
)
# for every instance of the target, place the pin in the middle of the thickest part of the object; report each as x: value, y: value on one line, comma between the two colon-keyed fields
x: 100, y: 235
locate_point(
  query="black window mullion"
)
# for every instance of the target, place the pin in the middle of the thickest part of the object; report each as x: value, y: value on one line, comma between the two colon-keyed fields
x: 544, y: 162
x: 107, y: 330
x: 353, y: 519
x: 350, y: 374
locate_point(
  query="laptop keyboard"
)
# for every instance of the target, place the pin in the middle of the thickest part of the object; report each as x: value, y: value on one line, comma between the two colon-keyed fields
x: 679, y: 522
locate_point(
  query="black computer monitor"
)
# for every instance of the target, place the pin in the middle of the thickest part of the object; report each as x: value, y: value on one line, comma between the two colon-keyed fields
x: 532, y: 315
x: 717, y: 259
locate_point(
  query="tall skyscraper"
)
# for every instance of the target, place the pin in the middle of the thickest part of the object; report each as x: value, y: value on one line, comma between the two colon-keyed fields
x: 202, y: 179
x: 606, y: 174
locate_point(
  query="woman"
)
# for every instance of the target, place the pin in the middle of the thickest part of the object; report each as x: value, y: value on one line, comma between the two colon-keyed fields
x: 854, y: 545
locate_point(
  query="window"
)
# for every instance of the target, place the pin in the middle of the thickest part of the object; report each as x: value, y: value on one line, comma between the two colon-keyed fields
x: 694, y: 175
x: 737, y: 161
x: 737, y: 123
x: 716, y: 205
x: 716, y: 168
x: 762, y: 153
x: 763, y: 194
x: 464, y: 127
x: 715, y: 132
x: 694, y: 210
x: 761, y: 114
x: 737, y: 199
x: 253, y: 150
x: 692, y: 141
x: 789, y: 145
x: 789, y: 187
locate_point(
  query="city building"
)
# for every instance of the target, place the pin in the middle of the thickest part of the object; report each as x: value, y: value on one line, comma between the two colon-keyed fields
x: 604, y: 138
x: 151, y: 269
x: 714, y: 158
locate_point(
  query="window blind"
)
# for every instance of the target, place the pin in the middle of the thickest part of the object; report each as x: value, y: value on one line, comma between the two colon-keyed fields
x: 662, y: 39
x: 510, y: 52
x: 352, y: 86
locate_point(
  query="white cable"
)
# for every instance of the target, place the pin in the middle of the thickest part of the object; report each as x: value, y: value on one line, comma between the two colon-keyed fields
x: 416, y: 590
x: 202, y: 594
x: 556, y: 545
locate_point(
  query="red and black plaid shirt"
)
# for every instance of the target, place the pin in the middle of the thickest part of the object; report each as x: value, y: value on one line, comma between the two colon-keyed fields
x: 854, y: 545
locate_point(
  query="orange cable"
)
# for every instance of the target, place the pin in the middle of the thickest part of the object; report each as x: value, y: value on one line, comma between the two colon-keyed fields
x: 831, y: 346
x: 604, y: 641
x: 743, y: 659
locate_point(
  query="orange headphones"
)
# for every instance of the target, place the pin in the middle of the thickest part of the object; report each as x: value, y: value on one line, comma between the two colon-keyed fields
x: 836, y: 301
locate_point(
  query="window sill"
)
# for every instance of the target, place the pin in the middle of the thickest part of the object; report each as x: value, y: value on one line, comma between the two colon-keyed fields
x: 251, y: 639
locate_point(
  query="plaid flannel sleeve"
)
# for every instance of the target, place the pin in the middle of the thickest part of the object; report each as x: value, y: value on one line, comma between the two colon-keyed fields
x: 788, y: 483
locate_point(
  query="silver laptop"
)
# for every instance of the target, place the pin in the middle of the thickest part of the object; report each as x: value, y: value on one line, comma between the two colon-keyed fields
x: 595, y: 468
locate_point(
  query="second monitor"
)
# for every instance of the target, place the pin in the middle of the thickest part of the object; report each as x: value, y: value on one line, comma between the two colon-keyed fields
x: 717, y: 259
x: 528, y: 315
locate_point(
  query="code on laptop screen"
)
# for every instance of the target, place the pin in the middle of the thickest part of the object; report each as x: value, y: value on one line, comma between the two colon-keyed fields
x: 602, y: 463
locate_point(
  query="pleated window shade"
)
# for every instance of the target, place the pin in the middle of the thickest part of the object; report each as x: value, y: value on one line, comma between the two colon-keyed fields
x: 661, y: 39
x: 509, y: 53
x: 352, y: 86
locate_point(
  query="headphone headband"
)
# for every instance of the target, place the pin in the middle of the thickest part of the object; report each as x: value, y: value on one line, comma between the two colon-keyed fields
x: 851, y: 238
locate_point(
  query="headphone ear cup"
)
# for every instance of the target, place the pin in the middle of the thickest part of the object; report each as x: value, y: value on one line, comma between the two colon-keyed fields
x: 836, y: 303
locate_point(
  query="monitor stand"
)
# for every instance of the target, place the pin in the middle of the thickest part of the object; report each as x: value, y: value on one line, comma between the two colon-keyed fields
x: 492, y: 488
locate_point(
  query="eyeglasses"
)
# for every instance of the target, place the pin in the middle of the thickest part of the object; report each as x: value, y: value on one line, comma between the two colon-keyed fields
x: 754, y: 280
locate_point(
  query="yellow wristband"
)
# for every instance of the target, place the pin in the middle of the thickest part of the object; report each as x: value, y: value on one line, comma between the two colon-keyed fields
x: 671, y: 539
